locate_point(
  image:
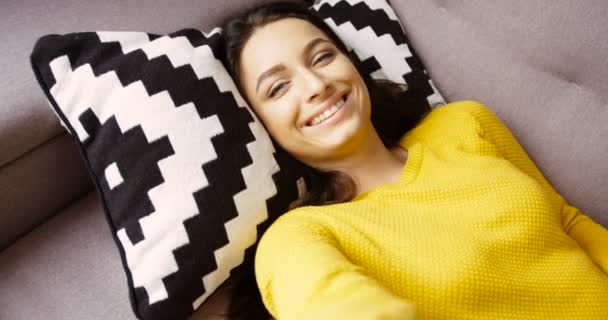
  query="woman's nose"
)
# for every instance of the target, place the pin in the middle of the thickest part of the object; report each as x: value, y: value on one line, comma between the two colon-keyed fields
x: 316, y: 87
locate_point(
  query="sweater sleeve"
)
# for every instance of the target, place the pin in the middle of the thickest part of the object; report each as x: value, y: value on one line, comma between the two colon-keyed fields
x: 302, y: 274
x: 591, y: 236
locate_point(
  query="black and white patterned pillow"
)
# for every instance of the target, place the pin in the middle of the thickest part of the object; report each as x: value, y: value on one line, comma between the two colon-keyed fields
x: 188, y: 177
x: 372, y: 30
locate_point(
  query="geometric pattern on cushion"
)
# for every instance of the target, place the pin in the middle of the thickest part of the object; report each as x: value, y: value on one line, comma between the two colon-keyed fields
x: 185, y: 172
x: 372, y: 30
x: 188, y: 177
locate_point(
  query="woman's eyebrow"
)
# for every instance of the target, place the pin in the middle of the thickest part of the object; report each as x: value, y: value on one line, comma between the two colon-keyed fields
x: 279, y: 67
x: 313, y: 43
x: 268, y: 73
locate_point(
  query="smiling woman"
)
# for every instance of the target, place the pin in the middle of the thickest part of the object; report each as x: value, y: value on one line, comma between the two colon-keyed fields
x: 307, y: 90
x: 440, y: 214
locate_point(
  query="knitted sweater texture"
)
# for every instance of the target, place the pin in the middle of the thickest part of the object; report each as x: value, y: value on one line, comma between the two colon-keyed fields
x: 471, y: 230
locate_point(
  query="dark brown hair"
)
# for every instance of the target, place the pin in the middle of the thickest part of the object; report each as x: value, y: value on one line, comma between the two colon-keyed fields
x: 392, y: 115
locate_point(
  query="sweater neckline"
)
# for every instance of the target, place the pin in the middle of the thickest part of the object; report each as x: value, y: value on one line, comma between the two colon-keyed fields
x: 408, y: 173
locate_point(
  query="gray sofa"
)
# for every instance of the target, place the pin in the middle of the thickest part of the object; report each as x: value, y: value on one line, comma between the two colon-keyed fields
x: 541, y: 65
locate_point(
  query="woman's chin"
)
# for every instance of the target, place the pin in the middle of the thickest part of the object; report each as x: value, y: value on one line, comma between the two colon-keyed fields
x: 342, y: 137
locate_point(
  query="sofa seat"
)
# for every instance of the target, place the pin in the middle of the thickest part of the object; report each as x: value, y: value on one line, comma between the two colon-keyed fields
x: 69, y: 268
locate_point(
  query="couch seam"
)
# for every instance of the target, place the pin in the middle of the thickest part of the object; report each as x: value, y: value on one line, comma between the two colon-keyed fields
x: 31, y: 150
x: 48, y: 218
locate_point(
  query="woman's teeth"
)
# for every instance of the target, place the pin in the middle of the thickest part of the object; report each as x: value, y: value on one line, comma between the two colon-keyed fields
x: 327, y: 113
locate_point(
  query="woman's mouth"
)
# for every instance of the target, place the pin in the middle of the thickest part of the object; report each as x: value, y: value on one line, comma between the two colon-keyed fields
x: 330, y: 115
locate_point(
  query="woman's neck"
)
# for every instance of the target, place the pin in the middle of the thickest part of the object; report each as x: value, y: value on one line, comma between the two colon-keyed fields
x: 371, y: 164
x: 382, y: 168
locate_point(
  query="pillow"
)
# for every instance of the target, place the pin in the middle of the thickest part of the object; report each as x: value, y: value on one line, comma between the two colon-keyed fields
x: 187, y: 175
x: 372, y: 30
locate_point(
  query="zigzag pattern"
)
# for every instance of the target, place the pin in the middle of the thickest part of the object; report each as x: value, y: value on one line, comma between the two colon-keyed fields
x: 232, y: 156
x: 87, y: 48
x: 141, y: 174
x: 364, y: 16
x: 361, y: 16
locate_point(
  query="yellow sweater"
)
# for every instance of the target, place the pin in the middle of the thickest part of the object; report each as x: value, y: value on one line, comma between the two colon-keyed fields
x: 471, y: 230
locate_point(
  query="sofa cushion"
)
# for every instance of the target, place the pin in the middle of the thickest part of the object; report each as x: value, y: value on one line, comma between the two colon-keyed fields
x: 25, y: 184
x: 541, y: 67
x: 69, y: 268
x: 187, y: 174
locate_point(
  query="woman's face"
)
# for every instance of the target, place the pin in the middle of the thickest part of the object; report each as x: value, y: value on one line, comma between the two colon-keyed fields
x: 307, y: 92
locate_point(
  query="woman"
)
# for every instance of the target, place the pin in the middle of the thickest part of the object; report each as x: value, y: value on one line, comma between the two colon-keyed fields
x: 445, y: 218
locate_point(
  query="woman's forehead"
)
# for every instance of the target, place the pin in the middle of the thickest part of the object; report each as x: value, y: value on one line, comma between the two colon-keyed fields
x: 282, y: 37
x: 278, y: 42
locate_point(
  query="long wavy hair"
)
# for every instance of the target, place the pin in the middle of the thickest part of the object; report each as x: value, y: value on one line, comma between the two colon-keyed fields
x: 394, y: 112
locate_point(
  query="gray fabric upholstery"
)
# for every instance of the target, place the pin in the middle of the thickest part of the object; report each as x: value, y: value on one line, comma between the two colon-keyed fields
x: 69, y: 268
x: 38, y: 184
x: 541, y: 66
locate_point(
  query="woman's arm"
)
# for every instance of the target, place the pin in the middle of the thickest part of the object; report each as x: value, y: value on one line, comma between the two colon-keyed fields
x: 592, y: 237
x: 302, y: 274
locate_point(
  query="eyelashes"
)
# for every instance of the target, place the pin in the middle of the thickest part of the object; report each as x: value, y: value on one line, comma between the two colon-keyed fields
x: 324, y: 57
x: 276, y: 89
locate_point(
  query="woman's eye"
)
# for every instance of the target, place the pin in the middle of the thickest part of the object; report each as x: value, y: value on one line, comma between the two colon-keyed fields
x: 324, y: 56
x: 276, y: 89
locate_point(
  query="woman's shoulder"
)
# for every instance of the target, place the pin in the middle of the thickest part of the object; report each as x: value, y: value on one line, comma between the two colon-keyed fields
x: 292, y: 233
x: 470, y: 108
x: 449, y: 123
x: 306, y: 219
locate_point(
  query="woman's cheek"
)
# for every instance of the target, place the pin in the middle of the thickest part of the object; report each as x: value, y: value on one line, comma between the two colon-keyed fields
x: 280, y: 116
x: 289, y: 110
